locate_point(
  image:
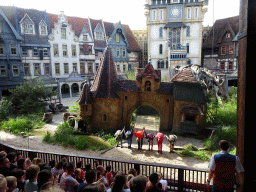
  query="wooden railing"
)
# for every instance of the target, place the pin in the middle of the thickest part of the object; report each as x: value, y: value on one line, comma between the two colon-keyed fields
x: 180, y: 178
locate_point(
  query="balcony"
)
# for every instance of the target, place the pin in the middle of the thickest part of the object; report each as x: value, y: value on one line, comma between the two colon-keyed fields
x: 87, y: 57
x: 178, y: 47
x: 177, y: 52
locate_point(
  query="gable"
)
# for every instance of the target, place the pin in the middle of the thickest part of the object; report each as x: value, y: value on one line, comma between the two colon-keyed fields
x: 118, y: 31
x: 42, y: 22
x: 27, y: 20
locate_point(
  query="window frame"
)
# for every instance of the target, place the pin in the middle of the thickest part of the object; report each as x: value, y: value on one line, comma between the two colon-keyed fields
x: 26, y: 69
x: 63, y: 32
x: 57, y: 68
x: 13, y: 50
x: 2, y: 48
x: 37, y: 65
x: 66, y: 68
x: 65, y: 50
x: 3, y: 68
x: 47, y: 65
x: 56, y: 50
x: 16, y: 68
x: 223, y: 50
x: 189, y: 13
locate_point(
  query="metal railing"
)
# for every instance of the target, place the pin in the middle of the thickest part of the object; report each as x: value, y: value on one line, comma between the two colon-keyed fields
x: 180, y: 178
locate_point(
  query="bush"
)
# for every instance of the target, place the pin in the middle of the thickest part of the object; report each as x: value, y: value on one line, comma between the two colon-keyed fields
x: 191, y: 147
x: 187, y: 153
x: 47, y: 138
x: 6, y: 109
x: 17, y: 125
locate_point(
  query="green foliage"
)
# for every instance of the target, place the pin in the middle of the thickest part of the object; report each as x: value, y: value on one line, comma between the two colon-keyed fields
x: 30, y: 96
x: 187, y: 153
x: 131, y: 75
x: 73, y: 108
x: 47, y: 138
x: 6, y: 109
x: 202, y: 156
x: 17, y: 125
x: 191, y: 147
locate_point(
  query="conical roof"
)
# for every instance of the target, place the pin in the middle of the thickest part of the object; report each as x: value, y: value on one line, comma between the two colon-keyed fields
x: 105, y: 82
x: 149, y: 72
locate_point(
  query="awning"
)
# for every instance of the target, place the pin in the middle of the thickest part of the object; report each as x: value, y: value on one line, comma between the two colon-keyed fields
x: 174, y: 24
x: 191, y: 109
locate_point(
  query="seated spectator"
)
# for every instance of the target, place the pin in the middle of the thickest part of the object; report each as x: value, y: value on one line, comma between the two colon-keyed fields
x: 79, y: 165
x: 52, y: 163
x: 109, y: 176
x: 96, y: 187
x: 129, y: 178
x: 58, y: 170
x: 20, y: 179
x: 45, y: 179
x: 162, y: 182
x: 138, y: 183
x: 18, y: 156
x: 27, y: 163
x: 20, y: 165
x: 133, y: 172
x: 12, y: 184
x: 12, y: 158
x: 119, y: 183
x: 64, y: 170
x: 3, y: 184
x: 31, y: 178
x: 67, y: 181
x: 153, y: 184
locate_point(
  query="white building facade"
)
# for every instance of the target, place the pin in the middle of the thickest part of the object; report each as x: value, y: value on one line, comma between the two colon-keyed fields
x: 174, y: 33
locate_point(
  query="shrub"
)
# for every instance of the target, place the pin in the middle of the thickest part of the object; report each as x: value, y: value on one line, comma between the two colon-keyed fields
x: 191, y: 147
x: 6, y: 109
x: 17, y: 125
x: 47, y: 138
x: 201, y: 155
x: 187, y: 153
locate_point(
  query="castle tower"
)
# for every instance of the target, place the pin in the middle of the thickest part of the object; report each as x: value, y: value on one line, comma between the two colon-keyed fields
x: 174, y: 32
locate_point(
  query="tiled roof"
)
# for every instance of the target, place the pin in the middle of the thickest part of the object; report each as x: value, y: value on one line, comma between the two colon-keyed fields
x: 220, y: 27
x: 165, y: 88
x: 185, y: 76
x: 191, y: 109
x: 149, y: 72
x: 128, y: 86
x: 133, y: 44
x: 105, y: 83
x: 85, y: 96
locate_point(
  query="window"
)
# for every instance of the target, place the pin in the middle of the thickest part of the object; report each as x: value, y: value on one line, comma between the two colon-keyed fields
x: 82, y: 68
x: 154, y: 15
x: 196, y: 12
x: 117, y: 37
x: 104, y: 117
x: 73, y: 47
x: 63, y: 33
x: 124, y: 67
x: 74, y: 67
x: 189, y: 13
x: 223, y: 50
x: 26, y: 69
x: 161, y: 49
x: 160, y: 64
x: 231, y: 49
x: 55, y: 50
x: 118, y: 67
x: 117, y: 52
x: 125, y: 97
x: 1, y: 49
x: 174, y: 38
x: 161, y: 14
x: 188, y: 31
x: 160, y: 32
x: 35, y: 51
x: 85, y: 37
x: 45, y: 51
x: 15, y: 70
x: 13, y: 49
x: 24, y: 51
x: 43, y: 30
x: 3, y: 70
x: 230, y: 65
x: 187, y: 47
x: 64, y: 50
x: 175, y: 1
x: 57, y: 68
x: 228, y: 35
x: 37, y: 69
x: 222, y: 65
x: 99, y: 35
x: 166, y: 64
x: 90, y: 68
x: 27, y: 29
x: 124, y: 53
x: 147, y: 86
x: 46, y: 68
x: 66, y: 68
x: 190, y: 117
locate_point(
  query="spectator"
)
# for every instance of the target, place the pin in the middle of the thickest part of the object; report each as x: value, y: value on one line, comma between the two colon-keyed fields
x: 3, y: 184
x: 129, y: 178
x: 67, y: 181
x: 58, y: 169
x: 12, y: 158
x: 31, y: 178
x: 19, y: 174
x: 52, y: 163
x: 162, y: 182
x: 64, y: 170
x: 153, y: 184
x: 18, y: 157
x: 20, y: 165
x: 79, y: 165
x: 138, y: 183
x: 45, y: 179
x: 109, y: 176
x: 3, y: 154
x: 225, y: 169
x: 119, y: 183
x: 5, y: 167
x: 12, y: 184
x: 94, y: 188
x: 90, y: 177
x: 78, y: 175
x: 27, y: 163
x: 133, y: 172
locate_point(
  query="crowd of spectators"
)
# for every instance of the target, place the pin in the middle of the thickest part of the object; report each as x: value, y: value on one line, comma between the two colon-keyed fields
x: 18, y: 174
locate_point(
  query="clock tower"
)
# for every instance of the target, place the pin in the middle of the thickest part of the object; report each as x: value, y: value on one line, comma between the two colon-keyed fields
x: 174, y: 33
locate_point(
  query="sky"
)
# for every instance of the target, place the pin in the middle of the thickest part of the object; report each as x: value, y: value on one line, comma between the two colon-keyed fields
x: 129, y: 12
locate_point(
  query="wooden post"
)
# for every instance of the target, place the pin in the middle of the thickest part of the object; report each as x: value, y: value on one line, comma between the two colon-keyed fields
x: 180, y: 179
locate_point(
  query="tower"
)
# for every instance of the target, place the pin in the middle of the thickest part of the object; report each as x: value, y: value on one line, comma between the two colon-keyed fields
x: 174, y: 32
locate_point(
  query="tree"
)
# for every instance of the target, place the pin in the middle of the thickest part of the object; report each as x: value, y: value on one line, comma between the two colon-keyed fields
x: 30, y: 96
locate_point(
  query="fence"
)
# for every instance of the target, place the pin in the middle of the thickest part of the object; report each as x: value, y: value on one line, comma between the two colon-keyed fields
x: 180, y: 178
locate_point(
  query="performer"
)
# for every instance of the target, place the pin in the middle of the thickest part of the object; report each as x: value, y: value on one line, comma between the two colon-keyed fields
x: 172, y: 139
x: 129, y: 136
x: 119, y: 136
x: 160, y: 138
x: 150, y: 137
x: 139, y: 135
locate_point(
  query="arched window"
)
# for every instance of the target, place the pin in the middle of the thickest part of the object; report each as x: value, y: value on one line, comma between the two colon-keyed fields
x: 147, y: 86
x: 161, y: 49
x: 104, y: 117
x: 160, y: 32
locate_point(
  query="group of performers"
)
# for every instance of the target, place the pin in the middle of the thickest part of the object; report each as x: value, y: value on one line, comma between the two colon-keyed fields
x: 150, y: 137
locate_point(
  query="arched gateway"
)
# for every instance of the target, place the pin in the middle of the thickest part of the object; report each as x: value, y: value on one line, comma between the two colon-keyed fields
x: 110, y: 102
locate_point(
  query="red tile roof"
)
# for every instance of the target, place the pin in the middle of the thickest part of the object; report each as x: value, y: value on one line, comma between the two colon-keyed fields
x: 185, y: 76
x: 149, y: 72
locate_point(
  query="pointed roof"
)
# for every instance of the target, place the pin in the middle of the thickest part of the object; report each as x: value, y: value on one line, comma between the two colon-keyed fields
x: 185, y: 76
x: 73, y: 77
x: 118, y: 27
x: 105, y: 82
x: 149, y: 72
x: 85, y: 96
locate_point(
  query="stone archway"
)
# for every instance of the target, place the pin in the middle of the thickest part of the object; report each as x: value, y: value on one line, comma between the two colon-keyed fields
x: 75, y: 89
x: 65, y: 91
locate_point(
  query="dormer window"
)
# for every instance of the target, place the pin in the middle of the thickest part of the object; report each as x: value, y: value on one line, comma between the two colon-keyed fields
x: 43, y: 28
x: 98, y: 33
x: 228, y: 35
x: 117, y: 37
x: 27, y: 25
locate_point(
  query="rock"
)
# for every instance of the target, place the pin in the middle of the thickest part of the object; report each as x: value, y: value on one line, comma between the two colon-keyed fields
x: 47, y: 117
